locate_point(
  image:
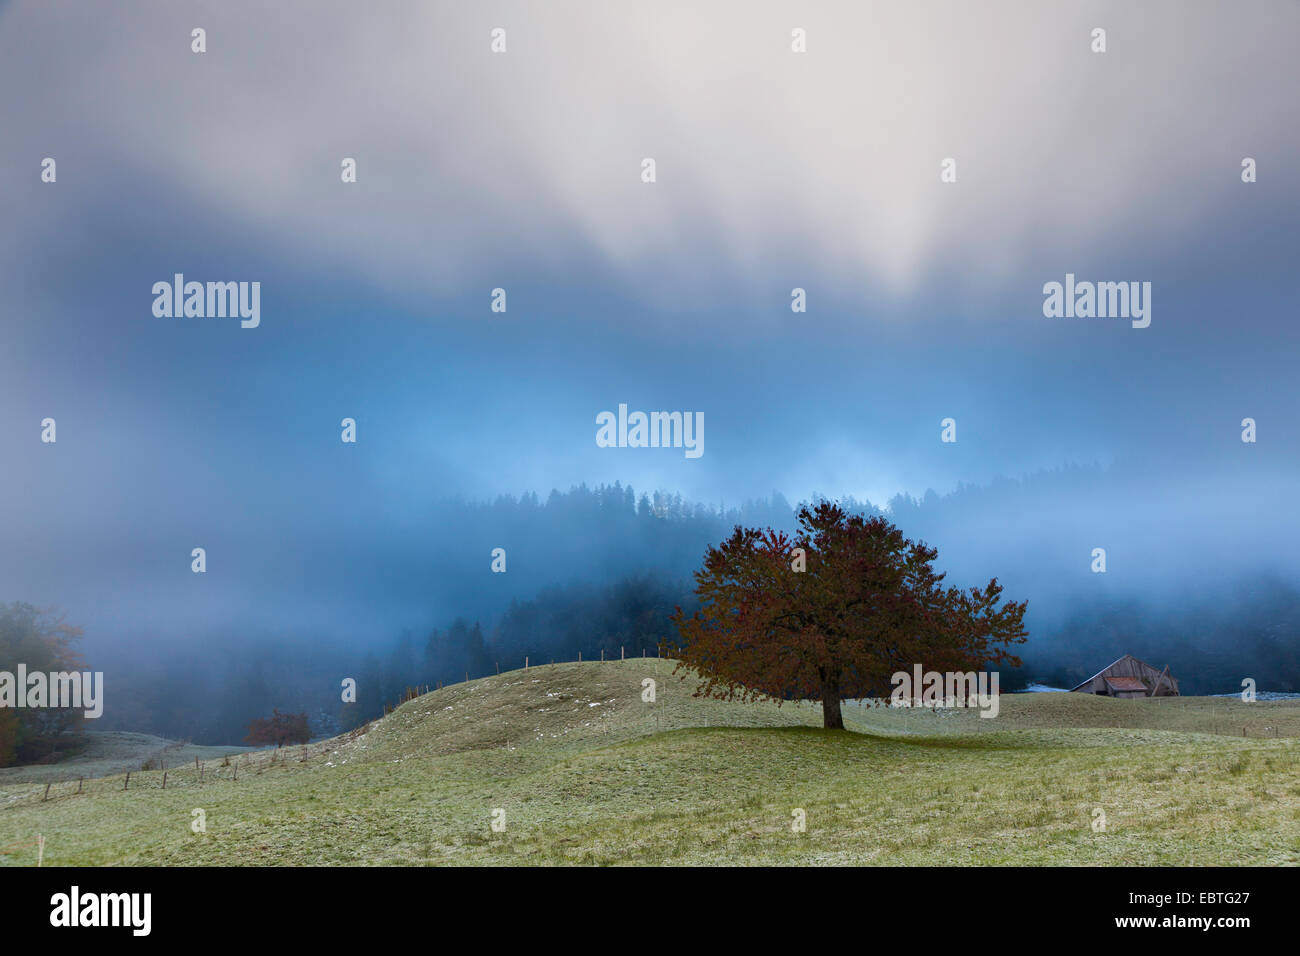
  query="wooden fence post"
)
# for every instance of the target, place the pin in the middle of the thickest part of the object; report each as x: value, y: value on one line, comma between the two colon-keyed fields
x: 164, y: 779
x: 78, y: 785
x: 127, y: 785
x: 46, y: 795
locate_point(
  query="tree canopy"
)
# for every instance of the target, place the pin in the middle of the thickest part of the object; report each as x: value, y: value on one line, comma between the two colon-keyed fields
x: 278, y: 729
x: 832, y: 611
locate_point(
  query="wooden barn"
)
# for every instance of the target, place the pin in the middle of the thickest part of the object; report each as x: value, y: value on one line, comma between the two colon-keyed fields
x: 1130, y: 677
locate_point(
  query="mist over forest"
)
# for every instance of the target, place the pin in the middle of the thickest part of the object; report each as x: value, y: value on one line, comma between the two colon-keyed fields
x: 601, y: 569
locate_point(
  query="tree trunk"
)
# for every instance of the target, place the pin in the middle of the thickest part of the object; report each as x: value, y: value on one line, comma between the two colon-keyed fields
x: 832, y: 719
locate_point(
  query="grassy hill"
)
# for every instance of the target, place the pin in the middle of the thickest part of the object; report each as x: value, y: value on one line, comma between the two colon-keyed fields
x: 113, y: 752
x: 588, y: 773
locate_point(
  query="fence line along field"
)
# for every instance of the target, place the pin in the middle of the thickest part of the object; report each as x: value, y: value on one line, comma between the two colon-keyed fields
x: 115, y: 752
x: 574, y: 764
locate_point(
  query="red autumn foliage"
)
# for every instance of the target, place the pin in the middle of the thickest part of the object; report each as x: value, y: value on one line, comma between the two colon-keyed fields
x: 278, y: 729
x: 867, y: 605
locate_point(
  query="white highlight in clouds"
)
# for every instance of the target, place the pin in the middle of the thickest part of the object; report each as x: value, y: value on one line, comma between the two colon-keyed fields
x: 821, y: 164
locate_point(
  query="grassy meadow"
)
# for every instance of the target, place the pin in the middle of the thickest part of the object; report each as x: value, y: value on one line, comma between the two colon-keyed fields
x: 587, y: 772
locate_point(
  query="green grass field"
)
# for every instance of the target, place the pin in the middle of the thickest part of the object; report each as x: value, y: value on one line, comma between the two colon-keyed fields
x: 588, y: 773
x: 113, y: 752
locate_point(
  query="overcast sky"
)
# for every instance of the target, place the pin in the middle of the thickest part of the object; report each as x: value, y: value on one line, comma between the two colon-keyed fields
x: 523, y: 170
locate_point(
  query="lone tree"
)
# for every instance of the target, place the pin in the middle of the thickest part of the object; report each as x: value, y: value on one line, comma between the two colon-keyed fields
x: 832, y: 612
x: 278, y: 729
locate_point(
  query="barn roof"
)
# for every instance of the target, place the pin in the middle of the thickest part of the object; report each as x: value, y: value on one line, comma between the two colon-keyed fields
x: 1112, y: 664
x: 1125, y: 683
